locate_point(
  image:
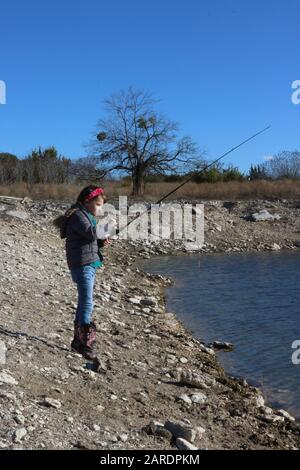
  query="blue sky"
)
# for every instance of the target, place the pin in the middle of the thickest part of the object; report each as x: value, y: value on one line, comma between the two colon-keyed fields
x: 223, y: 69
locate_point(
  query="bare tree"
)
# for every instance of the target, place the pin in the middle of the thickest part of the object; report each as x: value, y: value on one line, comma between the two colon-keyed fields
x: 136, y: 140
x: 8, y: 165
x: 86, y: 169
x: 285, y: 164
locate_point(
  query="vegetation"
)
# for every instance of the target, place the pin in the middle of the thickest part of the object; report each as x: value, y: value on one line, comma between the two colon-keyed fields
x: 138, y: 151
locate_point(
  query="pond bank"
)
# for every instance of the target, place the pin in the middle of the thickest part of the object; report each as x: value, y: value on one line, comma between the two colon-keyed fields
x: 163, y: 389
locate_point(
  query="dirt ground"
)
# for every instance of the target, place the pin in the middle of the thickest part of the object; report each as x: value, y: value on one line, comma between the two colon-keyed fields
x: 50, y: 398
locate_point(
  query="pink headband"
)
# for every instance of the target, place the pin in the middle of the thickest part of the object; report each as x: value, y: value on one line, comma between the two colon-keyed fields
x: 93, y: 194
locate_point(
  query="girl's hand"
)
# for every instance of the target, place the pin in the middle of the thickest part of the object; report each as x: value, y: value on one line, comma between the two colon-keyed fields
x: 107, y: 241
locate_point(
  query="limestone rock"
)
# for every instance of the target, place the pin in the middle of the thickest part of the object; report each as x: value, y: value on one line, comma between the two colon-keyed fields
x: 19, y: 434
x: 264, y: 215
x: 6, y: 378
x: 182, y: 444
x: 182, y: 430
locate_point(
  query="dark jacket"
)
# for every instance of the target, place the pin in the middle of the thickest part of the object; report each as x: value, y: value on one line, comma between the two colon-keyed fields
x: 81, y: 240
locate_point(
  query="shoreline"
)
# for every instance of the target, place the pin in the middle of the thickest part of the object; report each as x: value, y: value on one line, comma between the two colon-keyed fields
x: 223, y: 346
x: 163, y: 388
x: 255, y: 399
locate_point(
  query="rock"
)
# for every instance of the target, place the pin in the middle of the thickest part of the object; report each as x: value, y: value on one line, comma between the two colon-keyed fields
x: 285, y: 414
x: 207, y: 350
x: 19, y: 434
x: 200, y: 431
x: 222, y: 346
x: 158, y: 429
x: 181, y: 429
x: 184, y: 360
x: 3, y: 444
x: 7, y: 395
x: 154, y: 337
x: 259, y: 401
x: 65, y: 376
x: 192, y: 379
x: 20, y: 419
x: 149, y: 301
x: 51, y: 403
x: 26, y: 200
x: 111, y: 437
x: 274, y: 247
x: 182, y: 444
x: 267, y: 410
x: 185, y: 398
x: 272, y: 419
x: 6, y: 378
x: 18, y: 214
x: 264, y: 215
x: 133, y: 300
x: 200, y: 398
x: 146, y: 310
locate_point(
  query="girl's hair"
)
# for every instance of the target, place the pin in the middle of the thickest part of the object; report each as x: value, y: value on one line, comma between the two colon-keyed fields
x: 86, y: 191
x: 60, y: 222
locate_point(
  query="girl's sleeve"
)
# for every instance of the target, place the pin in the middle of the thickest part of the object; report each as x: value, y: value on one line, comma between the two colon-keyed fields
x: 81, y: 225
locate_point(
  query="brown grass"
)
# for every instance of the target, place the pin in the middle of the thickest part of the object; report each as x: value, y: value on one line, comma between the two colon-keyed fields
x: 232, y: 190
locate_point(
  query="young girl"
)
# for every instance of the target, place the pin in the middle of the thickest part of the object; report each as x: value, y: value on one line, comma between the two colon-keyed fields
x: 78, y: 226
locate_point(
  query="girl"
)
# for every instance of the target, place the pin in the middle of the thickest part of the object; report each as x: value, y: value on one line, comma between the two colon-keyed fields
x: 78, y: 226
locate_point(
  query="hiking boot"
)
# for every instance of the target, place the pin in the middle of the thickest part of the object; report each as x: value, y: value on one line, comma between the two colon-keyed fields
x: 87, y: 335
x: 76, y: 343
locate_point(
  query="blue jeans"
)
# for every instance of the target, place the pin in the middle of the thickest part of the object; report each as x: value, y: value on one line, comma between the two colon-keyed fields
x: 84, y: 277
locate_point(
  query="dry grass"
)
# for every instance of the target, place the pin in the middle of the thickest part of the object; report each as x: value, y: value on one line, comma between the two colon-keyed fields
x: 233, y: 190
x: 40, y: 191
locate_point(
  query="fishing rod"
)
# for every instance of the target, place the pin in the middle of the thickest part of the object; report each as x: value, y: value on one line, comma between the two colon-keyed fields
x: 197, y: 173
x: 211, y: 164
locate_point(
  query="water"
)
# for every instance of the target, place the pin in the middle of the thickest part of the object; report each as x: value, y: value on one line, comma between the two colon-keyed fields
x: 250, y: 300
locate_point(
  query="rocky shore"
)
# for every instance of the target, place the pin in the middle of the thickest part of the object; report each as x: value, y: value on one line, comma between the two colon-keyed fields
x: 161, y: 388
